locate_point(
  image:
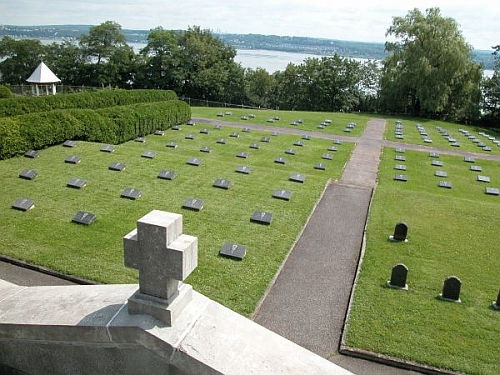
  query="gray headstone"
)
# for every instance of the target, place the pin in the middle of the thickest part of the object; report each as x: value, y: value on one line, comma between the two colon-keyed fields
x: 282, y: 194
x: 76, y: 183
x: 306, y: 137
x: 204, y: 131
x: 166, y: 175
x: 492, y: 191
x: 297, y: 177
x: 189, y: 136
x: 217, y: 127
x: 205, y: 149
x: 337, y: 142
x: 222, y: 183
x: 400, y: 167
x: 234, y: 135
x: 69, y: 143
x: 148, y: 154
x: 254, y: 146
x: 171, y: 144
x: 159, y: 132
x: 280, y: 160
x: 400, y: 232
x: 220, y: 114
x: 398, y: 277
x: 242, y: 155
x: 320, y: 166
x: 28, y: 174
x: 243, y: 169
x: 194, y: 161
x: 400, y: 150
x: 244, y: 117
x: 265, y: 139
x: 298, y: 143
x: 245, y: 130
x: 32, y: 154
x: 332, y: 148
x: 401, y: 177
x: 440, y: 174
x: 261, y: 217
x: 23, y: 204
x: 107, y: 148
x: 176, y: 127
x: 437, y: 163
x: 191, y: 123
x: 290, y: 151
x: 433, y: 154
x: 327, y: 157
x: 275, y: 134
x: 131, y: 193
x: 84, y: 218
x: 232, y: 250
x: 475, y: 168
x: 73, y: 159
x: 140, y: 139
x: 451, y: 289
x: 445, y: 184
x: 400, y: 158
x: 483, y: 178
x: 193, y: 204
x: 399, y: 136
x: 221, y: 141
x: 116, y: 166
x: 496, y: 304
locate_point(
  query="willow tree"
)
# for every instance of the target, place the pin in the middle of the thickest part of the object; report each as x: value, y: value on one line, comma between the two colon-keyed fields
x: 429, y: 69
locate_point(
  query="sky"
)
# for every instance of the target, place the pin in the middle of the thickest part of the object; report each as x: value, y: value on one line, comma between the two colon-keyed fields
x: 362, y: 20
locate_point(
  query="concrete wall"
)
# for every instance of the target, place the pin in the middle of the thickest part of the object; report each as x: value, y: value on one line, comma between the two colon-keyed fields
x: 88, y: 330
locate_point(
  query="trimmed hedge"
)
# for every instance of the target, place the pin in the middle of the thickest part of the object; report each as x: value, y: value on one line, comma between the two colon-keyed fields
x: 5, y: 92
x: 108, y: 125
x: 18, y: 106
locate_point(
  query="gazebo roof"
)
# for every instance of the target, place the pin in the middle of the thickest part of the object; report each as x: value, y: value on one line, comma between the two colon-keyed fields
x: 43, y: 74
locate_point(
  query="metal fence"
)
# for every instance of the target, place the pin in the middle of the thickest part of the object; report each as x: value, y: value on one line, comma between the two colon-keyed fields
x: 28, y: 90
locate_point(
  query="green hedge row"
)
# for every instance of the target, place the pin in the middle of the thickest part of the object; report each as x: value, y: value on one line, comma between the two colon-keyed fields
x: 112, y: 125
x: 89, y: 100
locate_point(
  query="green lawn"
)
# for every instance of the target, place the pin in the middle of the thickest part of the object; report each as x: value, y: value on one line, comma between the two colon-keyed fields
x: 451, y: 232
x: 46, y: 236
x: 310, y: 120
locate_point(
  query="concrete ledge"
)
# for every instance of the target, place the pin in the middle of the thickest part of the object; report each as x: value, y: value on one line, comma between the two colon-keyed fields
x: 88, y: 330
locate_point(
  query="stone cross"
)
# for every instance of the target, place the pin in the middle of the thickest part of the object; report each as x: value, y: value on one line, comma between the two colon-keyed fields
x: 164, y: 257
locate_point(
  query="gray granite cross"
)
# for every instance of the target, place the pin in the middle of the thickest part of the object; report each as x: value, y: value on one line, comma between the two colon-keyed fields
x: 164, y: 257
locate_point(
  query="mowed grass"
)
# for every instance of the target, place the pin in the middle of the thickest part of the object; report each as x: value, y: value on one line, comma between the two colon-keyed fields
x: 46, y: 236
x: 310, y: 120
x: 412, y: 135
x: 451, y: 232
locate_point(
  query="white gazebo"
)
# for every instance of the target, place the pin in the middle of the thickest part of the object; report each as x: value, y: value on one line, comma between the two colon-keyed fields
x: 41, y: 78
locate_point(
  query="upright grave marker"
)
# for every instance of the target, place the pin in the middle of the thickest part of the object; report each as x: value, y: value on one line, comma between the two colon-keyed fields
x: 451, y: 289
x: 400, y: 232
x: 398, y: 277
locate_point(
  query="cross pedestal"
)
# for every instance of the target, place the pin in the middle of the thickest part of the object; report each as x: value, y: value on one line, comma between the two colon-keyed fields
x: 164, y: 257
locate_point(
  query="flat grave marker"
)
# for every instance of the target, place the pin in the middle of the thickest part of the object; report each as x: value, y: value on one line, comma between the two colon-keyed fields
x: 221, y: 141
x: 333, y: 148
x: 166, y: 174
x: 400, y: 167
x: 191, y: 123
x: 265, y: 139
x: 176, y: 127
x: 282, y: 194
x: 445, y: 184
x: 23, y: 204
x: 148, y: 154
x: 69, y: 143
x: 320, y: 166
x: 193, y: 204
x: 204, y: 131
x: 222, y: 183
x: 306, y: 137
x: 400, y: 150
x: 433, y: 155
x: 242, y: 155
x: 492, y: 191
x: 261, y: 217
x: 275, y: 134
x: 440, y: 174
x: 159, y: 132
x: 327, y: 156
x: 475, y: 168
x: 73, y: 159
x: 280, y: 160
x: 298, y: 143
x: 400, y: 158
x: 116, y: 167
x: 205, y: 149
x: 254, y: 146
x: 171, y: 145
x: 234, y: 135
x: 401, y: 177
x: 85, y: 218
x: 217, y: 127
x: 107, y: 148
x: 245, y: 130
x: 76, y: 183
x: 28, y: 174
x: 297, y: 177
x: 290, y: 151
x: 140, y: 139
x: 32, y: 154
x: 483, y: 178
x: 189, y: 136
x: 437, y: 163
x: 243, y: 169
x: 131, y: 193
x: 194, y: 161
x: 232, y: 250
x: 337, y: 142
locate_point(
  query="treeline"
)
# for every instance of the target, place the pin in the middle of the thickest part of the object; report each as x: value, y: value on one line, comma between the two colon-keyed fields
x: 429, y: 71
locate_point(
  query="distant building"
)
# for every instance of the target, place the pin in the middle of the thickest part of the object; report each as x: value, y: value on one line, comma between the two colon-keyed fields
x: 43, y: 78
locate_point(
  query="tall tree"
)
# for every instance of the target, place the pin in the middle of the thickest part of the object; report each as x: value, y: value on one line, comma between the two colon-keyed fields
x: 491, y: 90
x: 429, y: 68
x: 19, y: 58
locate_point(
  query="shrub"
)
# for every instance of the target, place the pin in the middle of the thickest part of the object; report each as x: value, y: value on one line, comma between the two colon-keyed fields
x: 5, y: 92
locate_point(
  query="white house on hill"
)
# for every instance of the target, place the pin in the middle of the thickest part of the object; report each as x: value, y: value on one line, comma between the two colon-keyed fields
x: 41, y: 78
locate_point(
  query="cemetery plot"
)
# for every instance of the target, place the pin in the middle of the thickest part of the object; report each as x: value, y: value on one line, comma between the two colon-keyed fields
x: 242, y: 155
x: 194, y: 161
x: 483, y: 178
x: 327, y: 156
x: 28, y: 174
x: 69, y: 143
x: 159, y: 132
x: 320, y: 166
x: 166, y: 175
x: 445, y: 184
x: 131, y: 193
x: 290, y: 151
x: 193, y: 204
x: 148, y: 154
x: 23, y: 204
x: 400, y: 167
x: 261, y: 217
x: 243, y: 169
x: 189, y: 136
x: 171, y: 145
x: 107, y: 148
x: 116, y: 167
x: 297, y: 177
x: 265, y: 139
x: 204, y: 131
x: 140, y: 139
x: 440, y: 174
x: 492, y: 191
x: 76, y: 183
x: 222, y: 183
x: 72, y: 159
x: 32, y: 154
x: 298, y: 143
x: 254, y: 146
x: 232, y: 250
x: 176, y: 127
x: 85, y: 218
x: 282, y: 194
x: 280, y: 160
x: 221, y: 141
x: 205, y: 149
x: 401, y: 177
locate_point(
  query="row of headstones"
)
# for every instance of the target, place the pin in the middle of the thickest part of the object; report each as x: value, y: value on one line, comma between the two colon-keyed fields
x: 451, y: 285
x: 443, y: 174
x: 322, y: 125
x: 478, y: 142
